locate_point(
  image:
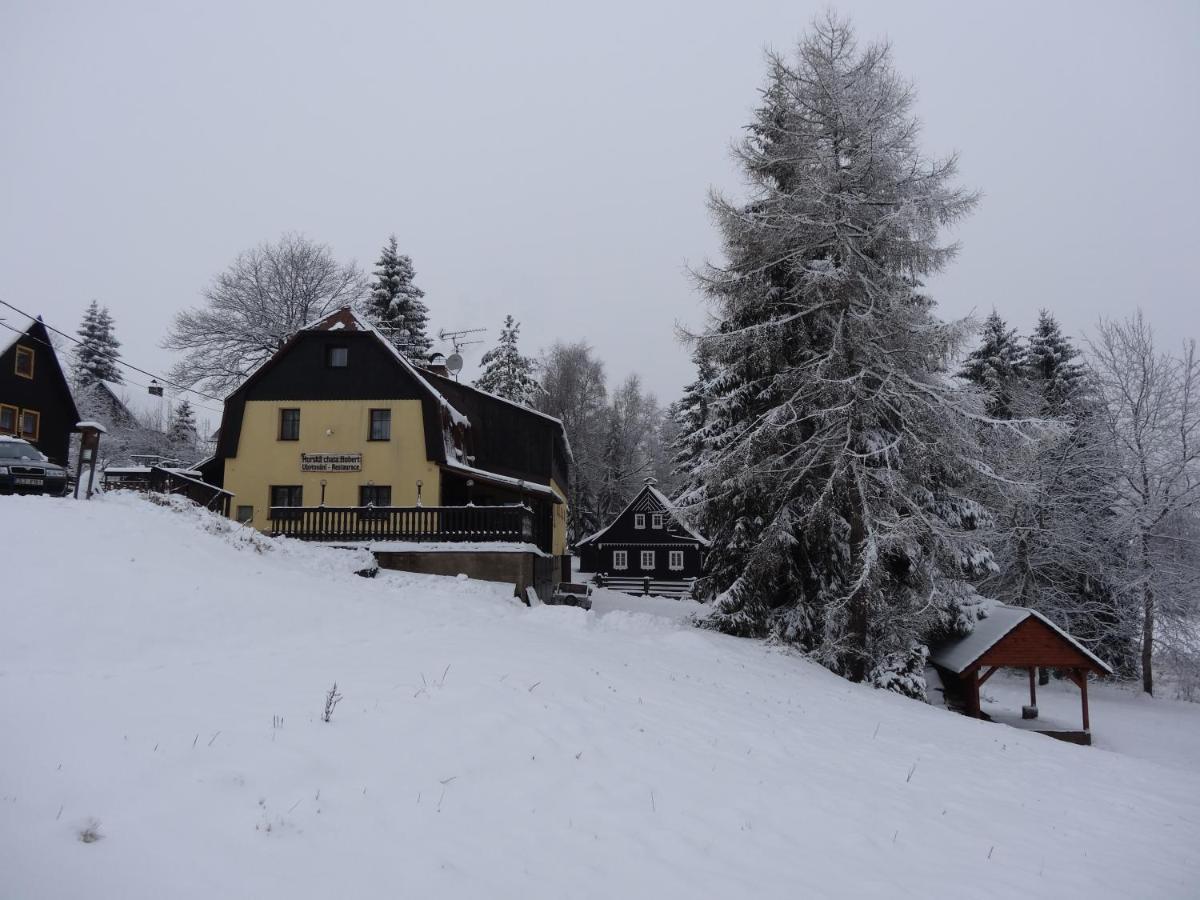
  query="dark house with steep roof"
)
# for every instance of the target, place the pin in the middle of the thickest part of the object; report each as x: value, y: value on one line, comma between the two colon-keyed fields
x: 35, y: 398
x: 648, y: 539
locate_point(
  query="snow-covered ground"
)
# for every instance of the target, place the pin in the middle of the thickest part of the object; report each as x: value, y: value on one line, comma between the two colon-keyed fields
x: 162, y: 678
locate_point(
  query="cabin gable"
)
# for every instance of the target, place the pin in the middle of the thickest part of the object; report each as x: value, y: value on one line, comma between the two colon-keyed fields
x: 32, y: 380
x: 1034, y: 643
x: 301, y: 371
x: 646, y: 540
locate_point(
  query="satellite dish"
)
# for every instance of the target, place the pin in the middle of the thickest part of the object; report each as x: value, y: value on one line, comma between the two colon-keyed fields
x: 454, y: 363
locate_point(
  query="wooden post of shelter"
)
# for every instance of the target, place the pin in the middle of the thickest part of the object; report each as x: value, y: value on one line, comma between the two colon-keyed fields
x: 973, y: 693
x: 1082, y: 675
x: 89, y: 451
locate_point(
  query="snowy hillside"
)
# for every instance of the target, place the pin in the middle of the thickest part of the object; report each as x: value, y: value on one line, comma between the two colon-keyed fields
x: 162, y: 682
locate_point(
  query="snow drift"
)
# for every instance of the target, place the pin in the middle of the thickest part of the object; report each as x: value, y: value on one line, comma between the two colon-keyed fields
x: 163, y: 674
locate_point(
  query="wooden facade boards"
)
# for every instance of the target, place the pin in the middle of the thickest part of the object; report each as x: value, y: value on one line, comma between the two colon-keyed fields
x: 35, y: 398
x: 647, y: 539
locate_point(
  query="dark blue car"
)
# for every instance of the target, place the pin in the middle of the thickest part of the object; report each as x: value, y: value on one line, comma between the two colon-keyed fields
x: 24, y: 469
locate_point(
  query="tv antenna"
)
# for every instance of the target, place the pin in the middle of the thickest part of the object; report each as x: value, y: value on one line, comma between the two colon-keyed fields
x: 456, y: 338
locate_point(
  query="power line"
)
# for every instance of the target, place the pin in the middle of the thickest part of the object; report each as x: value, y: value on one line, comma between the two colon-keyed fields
x: 112, y: 357
x: 123, y: 382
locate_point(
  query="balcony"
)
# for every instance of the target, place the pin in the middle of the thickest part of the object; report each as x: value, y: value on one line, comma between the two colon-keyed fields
x: 461, y: 524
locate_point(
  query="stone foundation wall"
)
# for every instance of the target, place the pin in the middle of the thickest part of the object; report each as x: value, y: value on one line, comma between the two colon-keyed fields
x: 518, y: 569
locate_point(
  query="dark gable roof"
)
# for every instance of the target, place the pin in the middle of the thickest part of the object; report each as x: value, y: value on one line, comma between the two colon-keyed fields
x: 649, y: 499
x: 499, y: 442
x: 36, y: 336
x: 384, y: 373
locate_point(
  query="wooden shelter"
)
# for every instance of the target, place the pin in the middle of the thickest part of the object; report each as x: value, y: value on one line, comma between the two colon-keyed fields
x: 1014, y: 637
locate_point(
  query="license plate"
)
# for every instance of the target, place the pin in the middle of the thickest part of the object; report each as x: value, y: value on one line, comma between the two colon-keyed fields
x: 31, y: 482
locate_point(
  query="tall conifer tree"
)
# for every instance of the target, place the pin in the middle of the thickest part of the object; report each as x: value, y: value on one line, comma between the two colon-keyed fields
x: 97, y: 354
x: 997, y: 365
x: 395, y: 306
x: 838, y: 460
x: 182, y: 437
x: 1052, y: 362
x: 506, y: 373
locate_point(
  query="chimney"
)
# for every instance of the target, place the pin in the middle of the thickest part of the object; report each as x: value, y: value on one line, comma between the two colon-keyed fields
x: 437, y: 364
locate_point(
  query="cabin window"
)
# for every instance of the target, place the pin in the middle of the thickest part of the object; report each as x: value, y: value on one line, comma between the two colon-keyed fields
x: 8, y: 419
x: 375, y: 495
x: 289, y: 424
x: 25, y: 362
x: 245, y: 514
x: 31, y: 421
x: 675, y: 560
x: 381, y: 425
x: 656, y: 520
x: 639, y: 520
x: 647, y: 559
x: 337, y: 357
x: 286, y: 495
x: 621, y: 559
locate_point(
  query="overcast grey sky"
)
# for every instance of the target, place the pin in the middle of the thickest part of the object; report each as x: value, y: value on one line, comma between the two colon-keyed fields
x: 552, y: 160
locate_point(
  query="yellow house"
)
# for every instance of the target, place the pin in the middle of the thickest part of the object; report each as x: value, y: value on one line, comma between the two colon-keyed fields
x: 339, y: 437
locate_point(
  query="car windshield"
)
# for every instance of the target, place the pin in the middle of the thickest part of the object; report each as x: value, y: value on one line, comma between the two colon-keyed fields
x: 20, y: 450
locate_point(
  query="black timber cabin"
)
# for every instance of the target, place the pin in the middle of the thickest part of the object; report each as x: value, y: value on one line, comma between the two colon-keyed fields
x: 35, y: 398
x: 647, y: 539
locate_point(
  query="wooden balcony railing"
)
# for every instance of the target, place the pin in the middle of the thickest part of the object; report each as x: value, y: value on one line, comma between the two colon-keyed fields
x: 403, y: 523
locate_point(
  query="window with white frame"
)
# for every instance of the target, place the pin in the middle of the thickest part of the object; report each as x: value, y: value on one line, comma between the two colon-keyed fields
x: 656, y: 520
x: 620, y: 559
x: 639, y: 520
x: 675, y: 560
x: 647, y: 559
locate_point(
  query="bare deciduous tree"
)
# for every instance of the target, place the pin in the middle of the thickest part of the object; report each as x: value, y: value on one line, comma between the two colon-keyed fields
x: 1152, y: 408
x: 255, y: 305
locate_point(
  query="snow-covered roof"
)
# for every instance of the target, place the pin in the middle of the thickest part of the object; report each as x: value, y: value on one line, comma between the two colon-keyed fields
x: 523, y: 484
x: 663, y: 501
x: 149, y: 409
x: 79, y: 426
x: 12, y: 328
x: 960, y: 654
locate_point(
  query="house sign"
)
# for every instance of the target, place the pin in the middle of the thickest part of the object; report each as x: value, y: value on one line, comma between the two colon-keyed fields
x: 330, y: 462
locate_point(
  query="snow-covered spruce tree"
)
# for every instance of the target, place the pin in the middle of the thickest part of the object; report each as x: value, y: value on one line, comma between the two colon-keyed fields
x: 690, y: 415
x: 997, y: 365
x: 506, y: 373
x: 395, y: 306
x: 97, y: 354
x: 182, y: 437
x: 839, y: 452
x: 1051, y: 360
